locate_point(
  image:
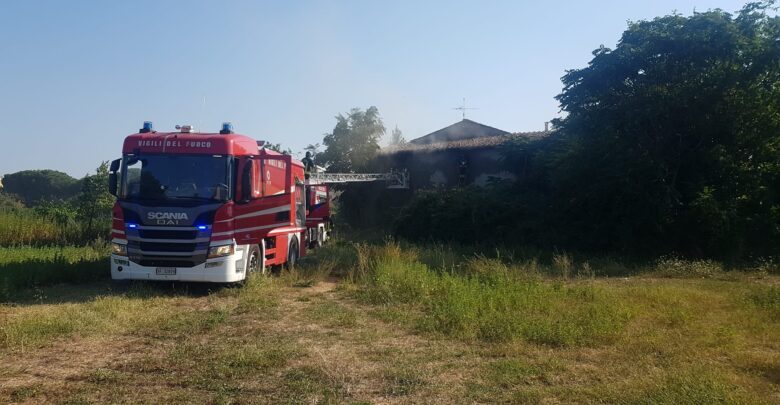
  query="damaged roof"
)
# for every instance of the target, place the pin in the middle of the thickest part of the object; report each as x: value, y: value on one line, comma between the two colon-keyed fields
x: 465, y: 129
x: 469, y: 143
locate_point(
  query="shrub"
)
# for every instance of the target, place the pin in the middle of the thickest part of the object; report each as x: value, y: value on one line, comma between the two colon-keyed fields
x: 679, y: 268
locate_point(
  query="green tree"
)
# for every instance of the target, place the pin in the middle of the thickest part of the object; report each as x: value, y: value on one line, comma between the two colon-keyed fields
x: 94, y: 203
x: 397, y: 137
x: 35, y: 186
x: 277, y: 147
x: 672, y: 140
x: 354, y: 141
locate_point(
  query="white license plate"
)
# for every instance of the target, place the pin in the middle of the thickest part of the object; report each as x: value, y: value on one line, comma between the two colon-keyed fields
x: 166, y: 271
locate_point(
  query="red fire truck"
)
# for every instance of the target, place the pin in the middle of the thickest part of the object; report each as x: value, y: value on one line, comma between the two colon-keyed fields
x: 318, y: 223
x: 204, y: 207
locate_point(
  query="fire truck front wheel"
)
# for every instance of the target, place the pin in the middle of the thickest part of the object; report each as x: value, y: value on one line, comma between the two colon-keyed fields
x: 254, y: 261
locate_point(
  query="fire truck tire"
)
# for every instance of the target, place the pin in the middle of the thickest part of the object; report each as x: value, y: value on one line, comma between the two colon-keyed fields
x: 254, y: 260
x: 292, y: 253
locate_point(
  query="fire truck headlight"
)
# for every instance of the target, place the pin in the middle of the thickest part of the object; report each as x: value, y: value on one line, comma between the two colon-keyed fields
x: 220, y: 251
x: 118, y: 249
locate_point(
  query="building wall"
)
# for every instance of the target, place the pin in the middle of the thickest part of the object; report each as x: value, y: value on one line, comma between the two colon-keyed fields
x: 440, y: 168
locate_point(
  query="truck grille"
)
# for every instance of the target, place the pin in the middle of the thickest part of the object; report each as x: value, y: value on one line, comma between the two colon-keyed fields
x: 171, y: 247
x: 166, y: 234
x: 167, y: 247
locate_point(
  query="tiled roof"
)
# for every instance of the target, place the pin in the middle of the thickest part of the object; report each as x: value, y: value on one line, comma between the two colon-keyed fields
x: 465, y: 129
x: 472, y: 143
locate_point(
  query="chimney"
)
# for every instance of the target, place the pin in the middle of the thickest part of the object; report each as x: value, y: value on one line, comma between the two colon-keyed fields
x: 547, y: 126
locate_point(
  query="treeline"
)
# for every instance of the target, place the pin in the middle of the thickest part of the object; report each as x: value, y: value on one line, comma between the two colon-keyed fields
x: 670, y: 144
x: 47, y: 207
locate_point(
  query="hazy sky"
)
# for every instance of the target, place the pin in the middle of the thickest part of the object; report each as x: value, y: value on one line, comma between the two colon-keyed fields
x: 77, y: 76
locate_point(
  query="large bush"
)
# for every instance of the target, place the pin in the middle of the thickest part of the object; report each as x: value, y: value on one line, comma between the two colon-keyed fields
x: 672, y: 140
x: 670, y: 143
x: 460, y: 215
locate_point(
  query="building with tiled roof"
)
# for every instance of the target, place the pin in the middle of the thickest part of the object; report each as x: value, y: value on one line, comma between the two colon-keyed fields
x: 463, y: 153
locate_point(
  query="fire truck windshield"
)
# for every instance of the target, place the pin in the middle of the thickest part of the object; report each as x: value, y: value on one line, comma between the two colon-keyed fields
x: 162, y: 178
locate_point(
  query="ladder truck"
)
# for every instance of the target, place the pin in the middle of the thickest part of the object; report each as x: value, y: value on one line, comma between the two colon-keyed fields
x: 318, y: 222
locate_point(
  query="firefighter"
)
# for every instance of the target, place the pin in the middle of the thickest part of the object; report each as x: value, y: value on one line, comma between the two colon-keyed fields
x: 308, y: 163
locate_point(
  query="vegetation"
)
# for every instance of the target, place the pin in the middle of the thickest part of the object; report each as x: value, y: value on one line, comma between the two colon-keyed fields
x: 513, y: 322
x: 27, y: 267
x: 407, y: 324
x: 34, y: 186
x: 10, y: 202
x: 397, y: 137
x: 490, y: 301
x: 671, y: 140
x: 669, y: 145
x: 277, y: 147
x: 27, y: 228
x: 94, y: 203
x: 84, y: 218
x: 353, y: 142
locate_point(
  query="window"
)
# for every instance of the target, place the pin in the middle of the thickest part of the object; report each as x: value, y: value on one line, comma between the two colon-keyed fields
x: 176, y: 177
x: 300, y: 204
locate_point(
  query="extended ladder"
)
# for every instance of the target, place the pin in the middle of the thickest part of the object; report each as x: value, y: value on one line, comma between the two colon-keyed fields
x: 394, y: 179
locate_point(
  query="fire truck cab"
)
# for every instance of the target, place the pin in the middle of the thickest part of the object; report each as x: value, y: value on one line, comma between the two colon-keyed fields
x: 209, y: 207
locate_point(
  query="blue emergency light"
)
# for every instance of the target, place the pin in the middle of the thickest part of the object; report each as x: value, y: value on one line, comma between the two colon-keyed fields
x: 147, y: 127
x: 227, y: 128
x: 132, y: 226
x: 202, y: 227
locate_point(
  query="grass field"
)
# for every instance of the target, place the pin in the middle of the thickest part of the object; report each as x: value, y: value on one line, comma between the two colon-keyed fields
x: 26, y: 268
x: 386, y: 323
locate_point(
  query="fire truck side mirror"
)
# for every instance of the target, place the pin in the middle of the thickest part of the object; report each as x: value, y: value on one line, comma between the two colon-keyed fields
x: 246, y: 181
x: 113, y: 177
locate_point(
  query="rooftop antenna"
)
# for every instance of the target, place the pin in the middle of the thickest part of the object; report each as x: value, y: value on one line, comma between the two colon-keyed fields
x: 463, y: 108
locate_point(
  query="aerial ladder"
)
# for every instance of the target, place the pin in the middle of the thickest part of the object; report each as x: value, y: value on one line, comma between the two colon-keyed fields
x: 393, y: 178
x: 318, y: 198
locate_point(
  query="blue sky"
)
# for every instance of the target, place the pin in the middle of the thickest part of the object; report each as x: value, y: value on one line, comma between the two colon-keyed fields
x: 77, y: 76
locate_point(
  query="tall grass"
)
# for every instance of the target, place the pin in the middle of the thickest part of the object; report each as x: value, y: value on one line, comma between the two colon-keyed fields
x: 18, y: 228
x: 502, y: 294
x: 27, y: 227
x: 486, y: 299
x: 26, y: 267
